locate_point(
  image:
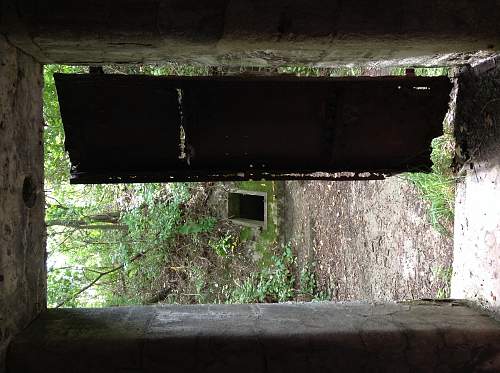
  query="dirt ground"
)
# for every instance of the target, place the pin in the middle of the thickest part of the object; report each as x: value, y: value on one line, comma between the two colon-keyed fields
x: 369, y: 240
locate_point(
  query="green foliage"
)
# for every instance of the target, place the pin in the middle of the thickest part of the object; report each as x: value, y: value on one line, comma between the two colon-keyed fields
x: 423, y: 71
x: 203, y: 225
x: 152, y: 221
x: 443, y: 153
x: 315, y: 71
x: 198, y: 276
x: 279, y: 280
x: 307, y: 281
x: 62, y: 283
x: 245, y: 234
x: 309, y: 288
x: 56, y: 159
x: 225, y: 245
x: 274, y: 283
x: 341, y: 71
x: 438, y: 191
x: 134, y: 247
x: 438, y: 187
x: 158, y: 70
x: 180, y: 192
x: 441, y: 293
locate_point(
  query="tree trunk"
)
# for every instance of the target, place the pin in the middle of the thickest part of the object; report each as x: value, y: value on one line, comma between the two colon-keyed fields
x: 109, y: 217
x: 81, y: 224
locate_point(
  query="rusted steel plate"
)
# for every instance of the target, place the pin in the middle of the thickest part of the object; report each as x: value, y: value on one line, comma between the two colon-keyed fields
x: 119, y: 125
x: 123, y: 128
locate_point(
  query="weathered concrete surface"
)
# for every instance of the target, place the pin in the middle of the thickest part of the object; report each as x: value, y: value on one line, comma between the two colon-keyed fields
x: 253, y: 32
x: 22, y: 245
x: 476, y: 264
x: 314, y: 337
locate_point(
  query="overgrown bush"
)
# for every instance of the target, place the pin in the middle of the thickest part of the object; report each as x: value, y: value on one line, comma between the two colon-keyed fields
x: 274, y: 283
x: 438, y: 187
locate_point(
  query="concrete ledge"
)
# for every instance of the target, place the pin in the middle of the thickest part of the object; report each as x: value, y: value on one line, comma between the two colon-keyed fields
x: 355, y: 337
x: 252, y: 33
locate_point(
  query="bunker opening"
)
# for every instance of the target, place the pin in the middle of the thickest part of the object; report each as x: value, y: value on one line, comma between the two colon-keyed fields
x: 247, y: 208
x: 189, y: 188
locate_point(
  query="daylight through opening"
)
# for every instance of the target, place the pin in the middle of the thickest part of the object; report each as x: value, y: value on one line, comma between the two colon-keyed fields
x: 232, y: 237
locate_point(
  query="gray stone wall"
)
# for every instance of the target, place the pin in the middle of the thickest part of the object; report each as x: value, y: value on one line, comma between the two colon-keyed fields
x: 22, y: 229
x: 477, y: 210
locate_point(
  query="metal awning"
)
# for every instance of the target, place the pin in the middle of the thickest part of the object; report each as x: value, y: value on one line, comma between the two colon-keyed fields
x: 124, y: 128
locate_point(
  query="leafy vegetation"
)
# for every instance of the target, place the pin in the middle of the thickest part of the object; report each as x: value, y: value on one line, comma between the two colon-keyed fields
x: 438, y: 187
x: 116, y: 251
x: 309, y: 289
x: 423, y: 71
x: 56, y: 161
x: 225, y: 245
x: 315, y: 71
x: 276, y: 282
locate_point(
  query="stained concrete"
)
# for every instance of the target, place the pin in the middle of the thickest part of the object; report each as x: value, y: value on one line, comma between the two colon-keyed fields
x: 253, y: 33
x: 476, y: 267
x: 22, y: 237
x: 315, y: 337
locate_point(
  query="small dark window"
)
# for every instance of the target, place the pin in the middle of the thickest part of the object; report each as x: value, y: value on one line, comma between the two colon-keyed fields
x: 247, y: 208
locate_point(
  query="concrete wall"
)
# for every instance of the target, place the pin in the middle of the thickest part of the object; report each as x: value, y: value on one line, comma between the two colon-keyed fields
x: 22, y: 229
x: 253, y: 32
x: 278, y: 337
x: 477, y: 210
x: 315, y: 337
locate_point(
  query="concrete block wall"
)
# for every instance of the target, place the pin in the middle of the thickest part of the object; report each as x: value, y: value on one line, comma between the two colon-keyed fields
x: 22, y: 228
x: 477, y: 210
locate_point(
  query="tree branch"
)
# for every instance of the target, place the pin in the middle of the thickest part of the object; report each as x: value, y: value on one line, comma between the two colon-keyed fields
x: 101, y: 275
